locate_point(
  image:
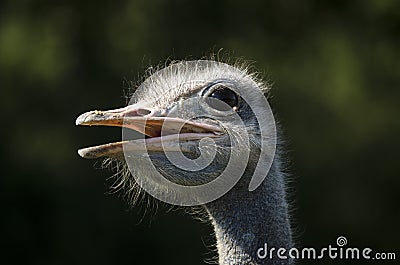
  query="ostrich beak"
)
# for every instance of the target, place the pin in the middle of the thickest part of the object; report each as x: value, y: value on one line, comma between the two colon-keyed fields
x: 163, y: 133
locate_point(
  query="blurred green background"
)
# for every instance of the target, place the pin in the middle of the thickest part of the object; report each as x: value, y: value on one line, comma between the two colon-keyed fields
x: 336, y: 72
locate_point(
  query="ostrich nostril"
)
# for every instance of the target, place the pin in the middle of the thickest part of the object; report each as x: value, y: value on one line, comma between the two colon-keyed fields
x: 143, y: 112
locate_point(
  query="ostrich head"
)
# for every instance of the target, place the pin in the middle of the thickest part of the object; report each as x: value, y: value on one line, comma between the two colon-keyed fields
x: 201, y: 110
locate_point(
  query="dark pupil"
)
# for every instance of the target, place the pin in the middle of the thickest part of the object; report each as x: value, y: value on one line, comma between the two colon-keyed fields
x: 225, y: 95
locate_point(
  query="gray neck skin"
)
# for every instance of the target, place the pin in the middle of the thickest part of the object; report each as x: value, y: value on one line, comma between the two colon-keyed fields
x: 244, y: 221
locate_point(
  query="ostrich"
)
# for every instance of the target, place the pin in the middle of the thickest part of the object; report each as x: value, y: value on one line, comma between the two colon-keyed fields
x: 168, y: 109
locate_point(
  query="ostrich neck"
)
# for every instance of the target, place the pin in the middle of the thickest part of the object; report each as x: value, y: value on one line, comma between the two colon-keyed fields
x: 245, y: 221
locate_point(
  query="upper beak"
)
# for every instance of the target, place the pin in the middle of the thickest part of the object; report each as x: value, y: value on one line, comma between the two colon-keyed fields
x: 164, y: 133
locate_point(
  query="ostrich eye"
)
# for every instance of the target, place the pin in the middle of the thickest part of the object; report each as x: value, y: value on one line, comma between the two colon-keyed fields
x: 224, y: 94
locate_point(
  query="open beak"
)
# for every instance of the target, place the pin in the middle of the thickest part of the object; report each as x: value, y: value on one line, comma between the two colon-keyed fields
x: 163, y: 134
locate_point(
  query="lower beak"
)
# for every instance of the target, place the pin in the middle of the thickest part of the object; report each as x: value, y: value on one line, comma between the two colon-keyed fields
x: 163, y: 133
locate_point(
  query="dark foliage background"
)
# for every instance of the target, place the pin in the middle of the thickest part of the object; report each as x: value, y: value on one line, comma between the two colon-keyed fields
x: 336, y: 72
